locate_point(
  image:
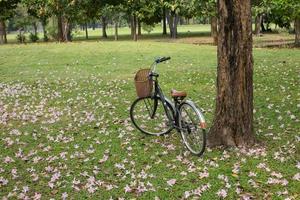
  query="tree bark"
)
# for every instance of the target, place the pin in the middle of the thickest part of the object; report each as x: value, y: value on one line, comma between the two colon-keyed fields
x: 2, y: 32
x: 34, y: 28
x: 214, y: 29
x: 139, y: 28
x: 173, y: 21
x: 297, y: 32
x: 131, y: 26
x: 233, y: 122
x: 116, y: 31
x: 257, y: 24
x: 66, y: 28
x: 104, y: 34
x: 134, y: 24
x: 164, y: 21
x: 86, y: 31
x: 60, y: 36
x: 44, y: 22
x: 5, y: 34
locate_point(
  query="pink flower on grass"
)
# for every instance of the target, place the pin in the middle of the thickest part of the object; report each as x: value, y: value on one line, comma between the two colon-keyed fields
x: 171, y: 182
x: 222, y: 193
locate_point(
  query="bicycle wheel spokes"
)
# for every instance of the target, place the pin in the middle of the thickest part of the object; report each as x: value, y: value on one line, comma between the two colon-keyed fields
x: 148, y: 115
x: 192, y: 134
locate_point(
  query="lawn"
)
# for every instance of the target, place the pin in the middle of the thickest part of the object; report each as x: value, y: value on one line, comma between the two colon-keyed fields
x: 66, y: 132
x: 190, y: 34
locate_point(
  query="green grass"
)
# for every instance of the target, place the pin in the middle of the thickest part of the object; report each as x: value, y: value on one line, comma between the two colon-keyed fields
x: 64, y: 106
x: 191, y: 34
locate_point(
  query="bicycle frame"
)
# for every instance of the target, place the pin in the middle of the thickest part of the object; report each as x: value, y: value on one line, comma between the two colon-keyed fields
x: 175, y: 112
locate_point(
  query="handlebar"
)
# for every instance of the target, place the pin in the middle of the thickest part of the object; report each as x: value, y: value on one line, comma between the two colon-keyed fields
x: 159, y: 60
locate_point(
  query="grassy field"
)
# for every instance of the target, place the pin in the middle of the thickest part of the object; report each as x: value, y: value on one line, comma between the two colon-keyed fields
x: 66, y: 132
x: 190, y: 34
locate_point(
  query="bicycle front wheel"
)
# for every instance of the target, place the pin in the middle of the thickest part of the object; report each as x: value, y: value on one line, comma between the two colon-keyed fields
x: 149, y: 116
x: 190, y: 122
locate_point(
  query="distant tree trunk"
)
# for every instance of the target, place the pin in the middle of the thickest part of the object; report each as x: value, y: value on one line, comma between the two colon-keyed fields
x: 104, y: 35
x: 66, y: 28
x: 262, y: 24
x: 2, y: 32
x: 257, y: 24
x: 60, y: 36
x: 44, y: 22
x: 164, y: 21
x: 131, y: 26
x: 233, y: 122
x: 139, y: 28
x: 214, y: 29
x: 297, y: 32
x: 116, y: 30
x: 34, y: 28
x: 173, y: 21
x: 94, y: 25
x: 86, y: 31
x: 134, y: 24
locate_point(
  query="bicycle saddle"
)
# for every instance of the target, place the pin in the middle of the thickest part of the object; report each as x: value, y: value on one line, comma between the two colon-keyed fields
x: 175, y: 93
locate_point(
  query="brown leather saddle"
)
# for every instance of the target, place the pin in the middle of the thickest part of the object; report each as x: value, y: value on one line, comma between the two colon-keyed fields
x: 175, y: 93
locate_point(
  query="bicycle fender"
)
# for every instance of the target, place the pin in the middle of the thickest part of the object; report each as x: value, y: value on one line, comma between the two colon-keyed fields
x: 202, y: 119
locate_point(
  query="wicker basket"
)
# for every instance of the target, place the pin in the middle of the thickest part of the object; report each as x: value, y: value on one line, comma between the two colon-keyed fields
x: 143, y: 84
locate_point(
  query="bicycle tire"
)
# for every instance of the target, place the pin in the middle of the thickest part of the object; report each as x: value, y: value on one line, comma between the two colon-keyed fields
x: 151, y: 125
x: 193, y: 136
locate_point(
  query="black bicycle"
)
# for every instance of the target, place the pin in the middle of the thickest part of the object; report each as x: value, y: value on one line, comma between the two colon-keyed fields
x: 154, y: 114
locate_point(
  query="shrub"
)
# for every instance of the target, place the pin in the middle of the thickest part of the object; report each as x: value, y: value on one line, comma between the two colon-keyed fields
x: 21, y: 38
x: 33, y: 37
x: 148, y: 28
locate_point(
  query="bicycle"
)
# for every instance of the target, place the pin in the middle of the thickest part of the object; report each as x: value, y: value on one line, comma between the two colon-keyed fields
x: 154, y: 114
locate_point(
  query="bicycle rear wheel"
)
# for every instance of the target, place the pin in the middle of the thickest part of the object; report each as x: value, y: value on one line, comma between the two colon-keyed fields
x: 190, y: 122
x: 148, y: 115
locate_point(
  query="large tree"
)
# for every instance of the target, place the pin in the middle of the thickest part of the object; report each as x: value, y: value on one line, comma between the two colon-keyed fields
x: 40, y: 10
x: 6, y: 11
x: 233, y: 122
x: 283, y: 12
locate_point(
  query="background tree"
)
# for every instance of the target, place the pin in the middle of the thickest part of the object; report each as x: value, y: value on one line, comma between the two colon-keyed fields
x: 208, y: 8
x: 40, y: 10
x: 233, y: 122
x: 7, y: 10
x: 283, y: 12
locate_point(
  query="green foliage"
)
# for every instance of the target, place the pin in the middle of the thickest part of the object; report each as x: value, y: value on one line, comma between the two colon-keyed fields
x: 33, y: 37
x: 7, y: 8
x: 148, y: 28
x: 21, y: 38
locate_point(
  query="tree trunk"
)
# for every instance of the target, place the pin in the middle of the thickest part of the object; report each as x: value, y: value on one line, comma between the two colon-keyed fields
x: 233, y: 122
x: 262, y: 24
x: 214, y: 29
x: 297, y: 32
x: 176, y: 18
x: 173, y: 21
x: 2, y: 32
x: 116, y: 31
x: 164, y: 21
x: 257, y: 24
x: 66, y: 30
x: 34, y: 28
x: 86, y: 31
x: 170, y: 22
x: 104, y: 35
x: 131, y: 26
x: 139, y: 28
x: 5, y: 33
x: 60, y: 36
x: 134, y: 24
x: 44, y: 22
x: 94, y: 25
